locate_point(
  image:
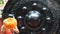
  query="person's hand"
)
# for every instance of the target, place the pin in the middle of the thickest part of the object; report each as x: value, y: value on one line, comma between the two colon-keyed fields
x: 16, y: 30
x: 3, y: 29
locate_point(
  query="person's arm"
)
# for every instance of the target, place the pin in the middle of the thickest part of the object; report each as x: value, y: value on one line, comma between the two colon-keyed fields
x: 3, y: 29
x: 16, y: 30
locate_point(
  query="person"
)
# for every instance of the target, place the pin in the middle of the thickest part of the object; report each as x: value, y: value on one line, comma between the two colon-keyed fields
x: 8, y: 31
x: 9, y: 23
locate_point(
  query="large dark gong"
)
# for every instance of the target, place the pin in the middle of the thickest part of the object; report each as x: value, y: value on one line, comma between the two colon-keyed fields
x: 33, y: 15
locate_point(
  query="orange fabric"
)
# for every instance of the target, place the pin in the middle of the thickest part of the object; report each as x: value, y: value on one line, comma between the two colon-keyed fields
x: 10, y: 23
x: 8, y: 31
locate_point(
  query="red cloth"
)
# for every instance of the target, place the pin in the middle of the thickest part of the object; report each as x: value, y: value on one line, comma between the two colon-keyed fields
x: 0, y: 25
x: 8, y: 31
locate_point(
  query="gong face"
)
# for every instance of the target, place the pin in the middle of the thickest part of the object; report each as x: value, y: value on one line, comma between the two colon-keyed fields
x: 33, y: 15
